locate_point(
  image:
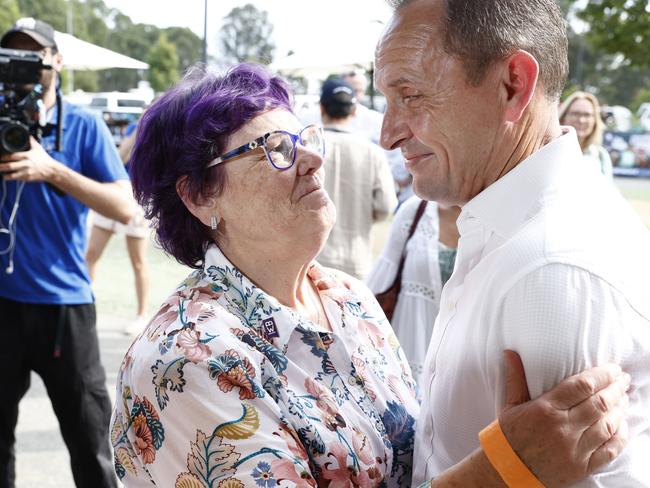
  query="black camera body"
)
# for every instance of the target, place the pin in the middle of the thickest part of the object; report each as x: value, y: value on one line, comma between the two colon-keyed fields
x: 22, y: 112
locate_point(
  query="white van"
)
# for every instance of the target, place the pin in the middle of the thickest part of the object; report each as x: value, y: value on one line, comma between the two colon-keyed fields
x: 118, y: 110
x: 117, y: 102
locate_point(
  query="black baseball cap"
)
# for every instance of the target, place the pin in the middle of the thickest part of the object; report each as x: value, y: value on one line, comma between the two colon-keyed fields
x: 40, y: 31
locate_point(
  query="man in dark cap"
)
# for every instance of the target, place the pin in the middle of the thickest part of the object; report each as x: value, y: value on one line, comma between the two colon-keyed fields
x: 47, y: 314
x: 358, y: 180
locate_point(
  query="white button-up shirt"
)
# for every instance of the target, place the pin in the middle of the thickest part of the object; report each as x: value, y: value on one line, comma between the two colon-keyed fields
x: 553, y: 264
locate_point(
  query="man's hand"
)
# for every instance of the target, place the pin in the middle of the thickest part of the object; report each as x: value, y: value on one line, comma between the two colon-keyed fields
x: 571, y: 430
x: 33, y: 165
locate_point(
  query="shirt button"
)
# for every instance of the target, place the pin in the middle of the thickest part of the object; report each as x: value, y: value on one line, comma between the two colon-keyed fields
x: 451, y: 307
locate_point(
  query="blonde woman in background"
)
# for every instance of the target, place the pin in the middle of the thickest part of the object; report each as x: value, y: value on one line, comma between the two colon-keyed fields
x: 581, y: 111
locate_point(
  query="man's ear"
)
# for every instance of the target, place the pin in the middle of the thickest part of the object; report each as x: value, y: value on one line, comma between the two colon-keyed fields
x: 202, y: 209
x: 518, y: 79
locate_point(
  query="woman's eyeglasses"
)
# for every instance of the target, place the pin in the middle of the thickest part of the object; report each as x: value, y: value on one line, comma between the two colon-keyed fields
x: 580, y: 115
x: 280, y: 146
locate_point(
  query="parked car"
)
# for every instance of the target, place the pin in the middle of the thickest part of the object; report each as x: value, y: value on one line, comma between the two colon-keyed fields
x: 118, y: 110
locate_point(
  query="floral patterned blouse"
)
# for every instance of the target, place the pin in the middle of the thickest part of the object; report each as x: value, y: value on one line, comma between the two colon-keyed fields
x: 228, y: 388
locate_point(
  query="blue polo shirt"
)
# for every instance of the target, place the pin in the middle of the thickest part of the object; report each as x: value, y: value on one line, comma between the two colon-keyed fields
x: 49, y: 264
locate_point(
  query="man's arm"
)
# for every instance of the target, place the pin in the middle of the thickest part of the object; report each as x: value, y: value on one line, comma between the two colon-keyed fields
x: 562, y: 319
x: 126, y: 147
x: 562, y: 436
x: 112, y: 199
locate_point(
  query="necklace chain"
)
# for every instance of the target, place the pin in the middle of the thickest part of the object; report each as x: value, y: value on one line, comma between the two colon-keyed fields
x: 318, y: 304
x: 318, y: 317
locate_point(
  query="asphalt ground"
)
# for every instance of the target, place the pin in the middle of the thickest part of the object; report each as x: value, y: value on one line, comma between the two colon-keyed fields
x: 42, y: 459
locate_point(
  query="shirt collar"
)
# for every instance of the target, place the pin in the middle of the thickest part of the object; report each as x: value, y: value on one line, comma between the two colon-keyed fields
x: 48, y: 140
x: 52, y: 112
x: 337, y: 128
x: 251, y: 304
x: 504, y: 205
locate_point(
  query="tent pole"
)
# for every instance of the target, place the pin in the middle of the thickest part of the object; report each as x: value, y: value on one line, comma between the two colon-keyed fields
x: 69, y: 29
x: 205, y: 32
x: 371, y: 73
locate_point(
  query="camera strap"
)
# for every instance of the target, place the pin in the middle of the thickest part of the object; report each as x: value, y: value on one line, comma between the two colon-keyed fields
x: 47, y: 131
x: 59, y: 116
x: 10, y: 228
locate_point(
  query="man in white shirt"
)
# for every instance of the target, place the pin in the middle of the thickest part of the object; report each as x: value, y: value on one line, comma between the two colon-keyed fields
x: 552, y: 263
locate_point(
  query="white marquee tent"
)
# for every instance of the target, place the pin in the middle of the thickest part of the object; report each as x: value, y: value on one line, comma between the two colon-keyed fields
x: 82, y: 55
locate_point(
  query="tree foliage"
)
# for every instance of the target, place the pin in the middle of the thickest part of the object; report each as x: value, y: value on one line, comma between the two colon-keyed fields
x: 642, y: 96
x: 620, y: 27
x: 188, y: 45
x: 246, y: 35
x: 99, y: 24
x: 134, y: 40
x: 607, y: 57
x: 8, y: 13
x: 51, y: 11
x: 163, y: 65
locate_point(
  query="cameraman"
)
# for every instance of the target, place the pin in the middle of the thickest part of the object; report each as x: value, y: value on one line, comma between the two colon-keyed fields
x: 47, y: 314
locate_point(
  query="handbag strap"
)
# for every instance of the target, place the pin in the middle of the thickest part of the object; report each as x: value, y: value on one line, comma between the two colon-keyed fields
x: 418, y: 214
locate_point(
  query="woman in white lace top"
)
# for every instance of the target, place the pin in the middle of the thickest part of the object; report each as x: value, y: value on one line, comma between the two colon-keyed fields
x: 430, y: 256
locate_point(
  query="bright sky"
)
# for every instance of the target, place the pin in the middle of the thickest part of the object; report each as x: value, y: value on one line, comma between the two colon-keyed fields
x: 293, y: 20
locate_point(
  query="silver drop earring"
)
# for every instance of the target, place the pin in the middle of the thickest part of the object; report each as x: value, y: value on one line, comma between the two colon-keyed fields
x: 214, y: 222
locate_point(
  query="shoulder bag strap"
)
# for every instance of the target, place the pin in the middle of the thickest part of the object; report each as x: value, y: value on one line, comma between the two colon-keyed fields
x: 418, y: 214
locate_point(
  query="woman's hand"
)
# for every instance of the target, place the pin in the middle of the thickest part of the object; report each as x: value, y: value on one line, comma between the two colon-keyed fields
x: 571, y: 430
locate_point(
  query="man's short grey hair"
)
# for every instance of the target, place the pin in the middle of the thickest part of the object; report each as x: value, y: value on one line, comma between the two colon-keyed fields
x: 480, y: 32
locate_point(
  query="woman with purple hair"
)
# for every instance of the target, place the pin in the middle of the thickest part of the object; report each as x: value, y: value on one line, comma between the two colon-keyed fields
x: 263, y: 368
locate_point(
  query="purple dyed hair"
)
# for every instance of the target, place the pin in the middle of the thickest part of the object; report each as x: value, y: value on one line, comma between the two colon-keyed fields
x: 180, y: 133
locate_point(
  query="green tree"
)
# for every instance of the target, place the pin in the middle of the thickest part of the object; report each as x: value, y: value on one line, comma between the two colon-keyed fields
x: 642, y: 96
x: 8, y: 14
x: 188, y: 45
x: 89, y: 21
x: 619, y: 27
x: 86, y: 80
x: 163, y: 65
x: 133, y: 40
x: 51, y: 11
x: 246, y: 35
x: 613, y: 79
x: 601, y: 61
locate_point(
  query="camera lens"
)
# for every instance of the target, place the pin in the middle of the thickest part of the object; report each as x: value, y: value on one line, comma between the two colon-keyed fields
x: 14, y: 138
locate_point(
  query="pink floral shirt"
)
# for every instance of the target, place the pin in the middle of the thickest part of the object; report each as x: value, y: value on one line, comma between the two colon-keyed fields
x: 228, y: 388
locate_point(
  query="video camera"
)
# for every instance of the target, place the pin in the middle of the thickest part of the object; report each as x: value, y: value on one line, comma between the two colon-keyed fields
x: 22, y: 112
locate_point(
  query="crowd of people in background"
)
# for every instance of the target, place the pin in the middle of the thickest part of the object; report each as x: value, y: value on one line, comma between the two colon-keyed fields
x: 357, y: 179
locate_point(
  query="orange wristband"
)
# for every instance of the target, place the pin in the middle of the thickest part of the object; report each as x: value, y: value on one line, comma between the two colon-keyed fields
x: 505, y: 461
